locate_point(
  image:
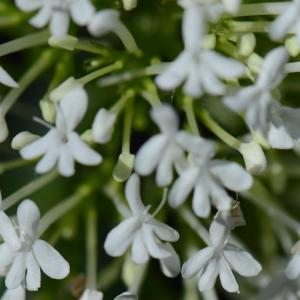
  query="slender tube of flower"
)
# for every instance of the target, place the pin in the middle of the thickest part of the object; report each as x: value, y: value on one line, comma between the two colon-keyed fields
x: 260, y: 9
x: 62, y: 208
x: 248, y: 26
x: 91, y: 248
x: 11, y: 19
x: 31, y: 40
x: 44, y: 61
x: 98, y: 73
x: 293, y: 67
x: 162, y: 203
x: 190, y: 114
x: 28, y: 189
x: 150, y: 93
x: 13, y: 164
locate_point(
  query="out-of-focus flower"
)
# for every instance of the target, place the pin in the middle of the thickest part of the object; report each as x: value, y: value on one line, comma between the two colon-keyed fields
x: 201, y: 70
x: 279, y: 125
x: 90, y: 294
x: 62, y: 145
x: 161, y: 152
x: 57, y: 13
x: 219, y: 259
x: 141, y: 231
x: 24, y: 254
x: 126, y: 296
x: 14, y: 294
x: 6, y: 79
x: 207, y: 177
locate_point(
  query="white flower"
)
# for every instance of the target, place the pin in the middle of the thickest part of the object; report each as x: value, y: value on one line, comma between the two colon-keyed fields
x: 162, y: 150
x: 293, y: 268
x: 62, y: 145
x: 57, y: 13
x: 108, y: 20
x: 24, y: 254
x: 103, y: 126
x: 14, y: 294
x: 126, y: 296
x: 140, y: 230
x: 219, y: 259
x: 201, y: 70
x: 279, y: 125
x: 90, y: 294
x: 6, y: 79
x: 208, y: 178
x: 287, y: 22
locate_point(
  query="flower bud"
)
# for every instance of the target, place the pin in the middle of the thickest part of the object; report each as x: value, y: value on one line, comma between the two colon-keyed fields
x: 246, y: 44
x: 22, y: 139
x: 67, y: 42
x: 129, y: 4
x: 124, y: 167
x: 3, y: 129
x: 254, y: 157
x: 126, y: 296
x: 103, y: 126
x: 48, y: 110
x: 292, y: 46
x: 57, y: 94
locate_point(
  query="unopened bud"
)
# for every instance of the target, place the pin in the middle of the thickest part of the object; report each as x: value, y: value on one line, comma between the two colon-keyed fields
x: 129, y: 4
x: 87, y: 137
x: 67, y: 42
x: 57, y: 94
x: 3, y: 129
x: 48, y: 110
x: 292, y: 46
x: 124, y: 167
x: 246, y: 44
x: 254, y: 157
x: 126, y: 296
x: 22, y: 139
x: 210, y: 41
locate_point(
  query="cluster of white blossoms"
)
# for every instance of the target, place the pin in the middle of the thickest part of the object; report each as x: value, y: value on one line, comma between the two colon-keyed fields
x: 186, y: 164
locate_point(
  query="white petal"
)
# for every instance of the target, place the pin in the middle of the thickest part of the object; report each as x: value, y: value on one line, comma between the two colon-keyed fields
x: 175, y: 73
x: 193, y: 85
x: 241, y: 261
x: 231, y: 6
x: 73, y: 107
x: 8, y: 233
x: 232, y: 175
x: 139, y: 251
x: 197, y: 262
x: 66, y: 161
x: 6, y: 79
x: 219, y: 196
x: 119, y: 239
x: 201, y: 202
x: 33, y: 273
x: 293, y: 267
x: 59, y: 25
x: 49, y: 160
x: 126, y: 296
x: 211, y: 83
x: 291, y: 120
x: 183, y: 186
x: 50, y: 261
x: 279, y: 138
x: 170, y: 266
x: 208, y: 278
x: 16, y: 272
x: 164, y: 232
x: 218, y: 233
x: 91, y: 295
x: 3, y: 128
x: 82, y: 152
x: 281, y: 26
x: 28, y: 5
x: 42, y: 18
x: 14, y: 294
x: 227, y: 278
x: 165, y: 118
x: 6, y: 255
x: 149, y: 154
x: 82, y: 11
x: 28, y: 218
x: 154, y: 248
x: 132, y: 192
x: 103, y: 126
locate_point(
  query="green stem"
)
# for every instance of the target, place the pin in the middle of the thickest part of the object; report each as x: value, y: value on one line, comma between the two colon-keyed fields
x: 260, y: 9
x: 261, y: 197
x: 89, y: 77
x: 226, y: 137
x: 62, y: 208
x: 91, y: 248
x: 28, y: 189
x: 91, y: 48
x: 139, y: 278
x: 31, y: 40
x: 248, y: 26
x: 13, y: 164
x: 128, y: 116
x: 162, y: 202
x: 120, y: 104
x: 190, y: 114
x: 44, y: 61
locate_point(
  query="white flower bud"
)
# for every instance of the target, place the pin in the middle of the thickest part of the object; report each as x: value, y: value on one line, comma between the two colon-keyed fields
x: 246, y: 44
x: 48, y: 110
x: 292, y: 46
x: 22, y: 139
x: 67, y: 42
x: 124, y: 167
x: 57, y: 94
x: 3, y: 128
x: 103, y: 126
x: 254, y: 157
x: 129, y: 4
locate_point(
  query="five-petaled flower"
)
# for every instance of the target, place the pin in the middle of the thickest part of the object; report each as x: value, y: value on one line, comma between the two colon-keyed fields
x: 219, y: 258
x: 23, y: 254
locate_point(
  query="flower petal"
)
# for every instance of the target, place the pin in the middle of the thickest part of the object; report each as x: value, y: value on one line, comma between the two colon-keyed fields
x: 132, y: 192
x: 164, y: 232
x: 279, y: 138
x: 59, y: 25
x: 50, y: 261
x: 90, y: 294
x: 6, y: 79
x: 28, y: 218
x: 196, y: 262
x: 170, y: 266
x: 6, y: 255
x: 14, y: 294
x: 28, y: 5
x: 16, y: 272
x: 42, y: 17
x: 33, y: 274
x: 201, y: 202
x: 218, y: 232
x: 219, y: 196
x: 227, y: 278
x: 209, y: 276
x: 8, y: 232
x: 232, y: 175
x: 119, y: 239
x: 66, y: 161
x: 82, y: 11
x: 139, y: 253
x: 293, y: 267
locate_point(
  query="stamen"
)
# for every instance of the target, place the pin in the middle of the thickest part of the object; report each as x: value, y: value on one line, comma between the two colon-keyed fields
x: 42, y: 122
